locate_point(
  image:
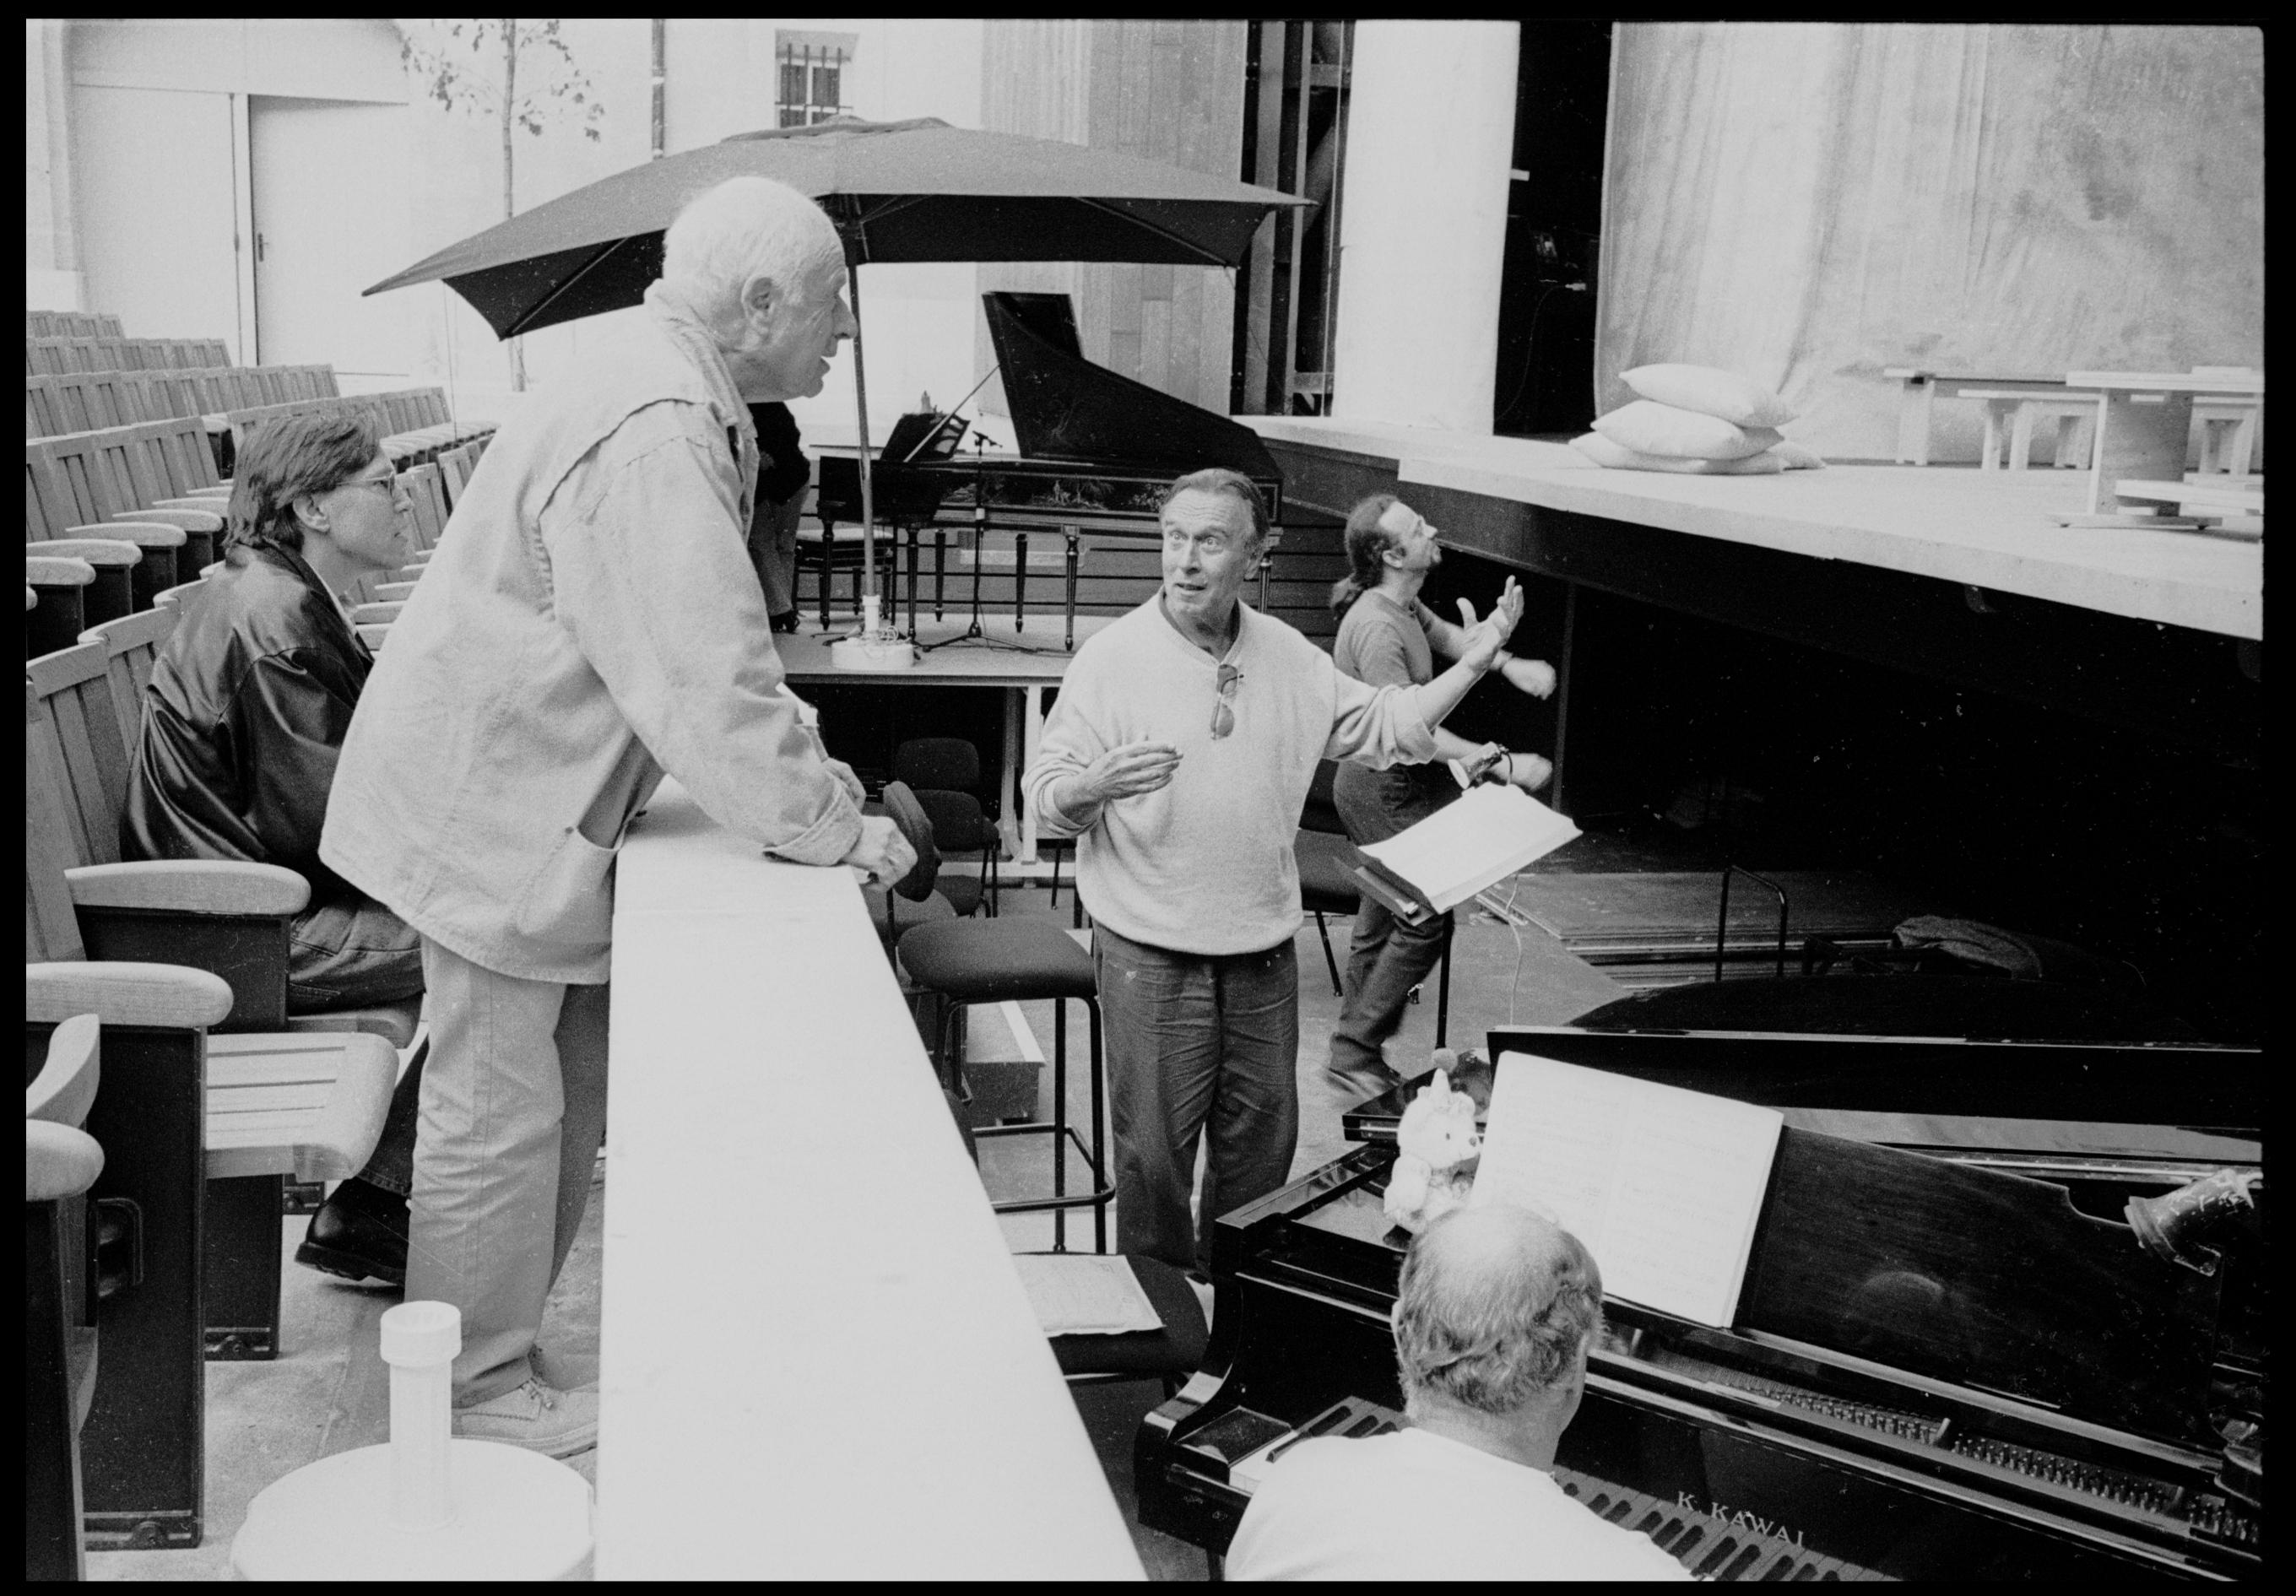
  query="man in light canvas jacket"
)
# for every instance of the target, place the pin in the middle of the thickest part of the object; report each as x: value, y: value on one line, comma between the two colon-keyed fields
x: 589, y: 620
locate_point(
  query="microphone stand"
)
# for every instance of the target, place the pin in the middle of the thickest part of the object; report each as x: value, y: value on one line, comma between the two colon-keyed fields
x: 973, y: 632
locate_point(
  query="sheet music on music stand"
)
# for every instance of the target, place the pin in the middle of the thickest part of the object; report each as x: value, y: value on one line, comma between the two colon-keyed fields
x: 1663, y: 1186
x: 1489, y: 832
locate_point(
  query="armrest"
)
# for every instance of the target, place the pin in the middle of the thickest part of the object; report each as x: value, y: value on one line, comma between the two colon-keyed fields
x: 56, y: 570
x: 166, y: 995
x: 96, y: 550
x: 66, y: 1082
x: 59, y: 1161
x: 190, y: 520
x: 147, y: 534
x: 190, y: 885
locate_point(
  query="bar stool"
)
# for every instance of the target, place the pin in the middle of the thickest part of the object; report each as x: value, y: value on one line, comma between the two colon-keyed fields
x: 1014, y: 959
x: 1168, y: 1355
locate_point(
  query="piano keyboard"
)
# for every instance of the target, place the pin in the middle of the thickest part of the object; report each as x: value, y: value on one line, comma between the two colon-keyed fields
x: 1711, y: 1547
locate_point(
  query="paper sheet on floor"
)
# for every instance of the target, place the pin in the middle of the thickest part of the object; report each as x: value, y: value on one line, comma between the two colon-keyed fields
x: 1086, y: 1294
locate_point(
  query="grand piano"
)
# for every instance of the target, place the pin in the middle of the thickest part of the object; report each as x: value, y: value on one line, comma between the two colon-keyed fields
x: 1097, y: 450
x: 1952, y: 1357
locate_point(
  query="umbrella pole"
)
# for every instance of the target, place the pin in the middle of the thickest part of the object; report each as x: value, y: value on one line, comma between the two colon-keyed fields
x: 861, y: 409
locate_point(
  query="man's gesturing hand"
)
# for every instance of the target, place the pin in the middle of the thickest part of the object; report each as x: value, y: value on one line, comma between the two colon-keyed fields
x: 883, y: 851
x: 1487, y: 637
x: 1533, y: 676
x: 1123, y: 772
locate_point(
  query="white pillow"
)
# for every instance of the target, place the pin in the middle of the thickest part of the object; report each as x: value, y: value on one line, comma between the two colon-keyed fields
x: 1797, y: 458
x: 1602, y: 451
x: 1650, y: 428
x: 1711, y: 391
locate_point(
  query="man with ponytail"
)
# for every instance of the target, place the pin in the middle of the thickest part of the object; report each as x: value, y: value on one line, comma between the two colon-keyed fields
x: 1180, y: 751
x: 1389, y: 638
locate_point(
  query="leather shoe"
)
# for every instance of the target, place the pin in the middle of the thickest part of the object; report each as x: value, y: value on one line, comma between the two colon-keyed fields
x: 358, y: 1234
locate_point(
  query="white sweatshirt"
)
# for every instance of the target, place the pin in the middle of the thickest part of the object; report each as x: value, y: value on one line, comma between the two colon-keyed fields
x: 1204, y: 864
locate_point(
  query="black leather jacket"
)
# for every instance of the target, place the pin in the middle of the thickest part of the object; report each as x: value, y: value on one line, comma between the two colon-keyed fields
x: 246, y: 713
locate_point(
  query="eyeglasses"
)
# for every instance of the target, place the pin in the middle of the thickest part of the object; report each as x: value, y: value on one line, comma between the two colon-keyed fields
x: 390, y: 485
x: 1223, y: 715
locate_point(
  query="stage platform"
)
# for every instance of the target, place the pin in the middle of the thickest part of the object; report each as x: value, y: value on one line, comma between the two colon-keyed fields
x: 1988, y: 530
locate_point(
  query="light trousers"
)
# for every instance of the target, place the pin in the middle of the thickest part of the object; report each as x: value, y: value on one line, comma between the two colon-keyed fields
x: 513, y: 1108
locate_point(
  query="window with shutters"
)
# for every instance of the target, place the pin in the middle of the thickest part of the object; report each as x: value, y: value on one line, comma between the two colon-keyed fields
x: 813, y: 81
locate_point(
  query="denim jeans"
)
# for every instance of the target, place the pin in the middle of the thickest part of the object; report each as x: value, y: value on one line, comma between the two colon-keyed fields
x: 348, y: 952
x: 513, y: 1108
x: 1388, y: 957
x: 1196, y: 1041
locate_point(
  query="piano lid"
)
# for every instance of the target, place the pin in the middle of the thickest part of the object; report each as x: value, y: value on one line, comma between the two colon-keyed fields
x: 1064, y: 407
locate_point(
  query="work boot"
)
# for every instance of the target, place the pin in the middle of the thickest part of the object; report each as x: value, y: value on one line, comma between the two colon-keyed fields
x: 535, y: 1416
x: 360, y: 1233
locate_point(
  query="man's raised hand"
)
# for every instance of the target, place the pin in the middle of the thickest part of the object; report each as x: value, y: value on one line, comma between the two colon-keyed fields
x: 1487, y: 636
x: 1533, y: 676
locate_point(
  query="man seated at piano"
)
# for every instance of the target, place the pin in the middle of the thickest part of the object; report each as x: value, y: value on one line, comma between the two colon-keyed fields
x: 1180, y: 752
x: 1494, y: 1318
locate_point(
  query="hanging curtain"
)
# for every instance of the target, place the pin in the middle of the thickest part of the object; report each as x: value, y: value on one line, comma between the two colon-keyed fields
x: 1810, y: 203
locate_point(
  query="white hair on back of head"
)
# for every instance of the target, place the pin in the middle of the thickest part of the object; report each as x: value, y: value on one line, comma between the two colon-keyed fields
x: 743, y: 227
x: 1494, y: 1309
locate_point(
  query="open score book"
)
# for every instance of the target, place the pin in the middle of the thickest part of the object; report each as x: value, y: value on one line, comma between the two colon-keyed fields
x: 1663, y: 1186
x: 1486, y: 833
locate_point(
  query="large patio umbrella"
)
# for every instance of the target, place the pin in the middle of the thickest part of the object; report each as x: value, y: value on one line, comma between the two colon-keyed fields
x: 915, y: 191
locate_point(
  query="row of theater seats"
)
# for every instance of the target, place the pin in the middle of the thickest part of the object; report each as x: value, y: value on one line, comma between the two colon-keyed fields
x: 158, y: 1225
x: 85, y: 401
x: 52, y: 357
x: 70, y: 324
x: 115, y: 516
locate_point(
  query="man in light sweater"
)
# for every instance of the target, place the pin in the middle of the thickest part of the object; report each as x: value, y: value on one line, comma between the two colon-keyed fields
x: 1179, y: 752
x: 1493, y: 1317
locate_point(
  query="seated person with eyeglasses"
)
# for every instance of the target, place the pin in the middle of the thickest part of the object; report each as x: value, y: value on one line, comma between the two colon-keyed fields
x: 1179, y: 752
x: 244, y: 717
x: 1494, y: 1318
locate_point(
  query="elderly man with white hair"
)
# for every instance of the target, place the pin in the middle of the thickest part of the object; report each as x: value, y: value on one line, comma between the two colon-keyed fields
x: 589, y: 621
x: 1492, y: 1321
